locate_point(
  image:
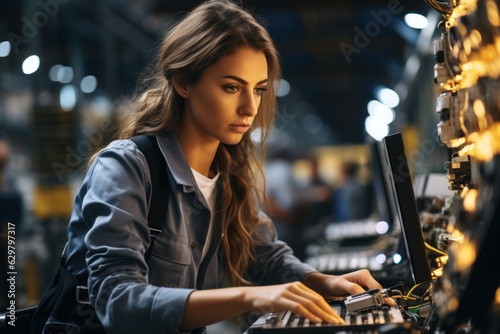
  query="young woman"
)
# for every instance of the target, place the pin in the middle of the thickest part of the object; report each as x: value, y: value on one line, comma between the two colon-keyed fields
x: 217, y: 255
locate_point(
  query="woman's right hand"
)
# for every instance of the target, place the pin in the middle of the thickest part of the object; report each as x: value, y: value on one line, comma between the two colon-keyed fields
x: 204, y: 307
x: 295, y: 297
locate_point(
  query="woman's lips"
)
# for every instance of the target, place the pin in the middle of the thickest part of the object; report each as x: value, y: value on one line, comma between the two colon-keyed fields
x: 240, y: 128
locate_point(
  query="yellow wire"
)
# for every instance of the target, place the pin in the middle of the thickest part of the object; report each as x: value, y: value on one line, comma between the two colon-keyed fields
x: 413, y: 288
x: 434, y: 249
x: 416, y: 286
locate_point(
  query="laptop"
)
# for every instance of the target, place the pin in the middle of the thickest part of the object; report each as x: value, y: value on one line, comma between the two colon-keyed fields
x: 401, y: 186
x: 378, y: 317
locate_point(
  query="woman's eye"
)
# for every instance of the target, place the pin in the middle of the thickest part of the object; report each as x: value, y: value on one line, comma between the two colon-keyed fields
x: 260, y: 90
x: 231, y: 89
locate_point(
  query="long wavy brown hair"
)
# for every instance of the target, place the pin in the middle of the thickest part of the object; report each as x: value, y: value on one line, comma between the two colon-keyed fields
x: 213, y: 29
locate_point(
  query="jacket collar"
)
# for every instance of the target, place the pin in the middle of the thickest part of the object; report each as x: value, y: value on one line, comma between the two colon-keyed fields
x: 176, y: 160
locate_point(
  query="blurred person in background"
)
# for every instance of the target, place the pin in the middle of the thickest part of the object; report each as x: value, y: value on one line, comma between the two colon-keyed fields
x: 352, y: 199
x: 319, y: 194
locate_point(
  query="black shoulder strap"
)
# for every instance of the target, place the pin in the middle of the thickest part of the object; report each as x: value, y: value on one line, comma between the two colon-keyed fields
x: 159, y: 197
x: 159, y: 181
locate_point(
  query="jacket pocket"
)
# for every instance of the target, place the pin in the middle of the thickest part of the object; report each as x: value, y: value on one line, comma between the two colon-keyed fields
x: 170, y: 263
x: 172, y: 249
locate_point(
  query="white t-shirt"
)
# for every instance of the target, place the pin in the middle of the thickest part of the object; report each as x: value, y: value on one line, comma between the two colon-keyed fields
x: 207, y: 188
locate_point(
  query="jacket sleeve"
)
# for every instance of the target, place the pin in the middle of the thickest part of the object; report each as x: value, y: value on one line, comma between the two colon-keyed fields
x: 275, y: 262
x: 115, y: 206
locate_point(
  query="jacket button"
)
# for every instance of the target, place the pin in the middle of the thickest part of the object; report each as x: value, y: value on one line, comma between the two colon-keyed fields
x: 193, y: 245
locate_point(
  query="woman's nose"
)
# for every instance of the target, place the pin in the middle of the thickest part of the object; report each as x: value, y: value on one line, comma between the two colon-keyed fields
x: 250, y: 104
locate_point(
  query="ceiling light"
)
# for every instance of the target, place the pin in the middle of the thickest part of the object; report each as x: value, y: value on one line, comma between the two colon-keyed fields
x: 31, y: 64
x: 67, y: 97
x: 53, y: 72
x: 88, y: 84
x: 416, y: 21
x: 4, y: 48
x: 282, y: 88
x: 65, y: 74
x: 379, y: 110
x: 376, y: 128
x: 388, y: 97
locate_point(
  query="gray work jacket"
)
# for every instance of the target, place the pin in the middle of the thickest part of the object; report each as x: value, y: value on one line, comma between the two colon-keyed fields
x: 108, y: 236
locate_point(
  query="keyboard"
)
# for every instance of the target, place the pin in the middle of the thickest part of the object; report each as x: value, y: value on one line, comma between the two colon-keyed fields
x: 286, y: 322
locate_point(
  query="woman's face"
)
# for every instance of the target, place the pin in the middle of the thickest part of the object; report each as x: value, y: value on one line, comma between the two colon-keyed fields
x: 223, y: 104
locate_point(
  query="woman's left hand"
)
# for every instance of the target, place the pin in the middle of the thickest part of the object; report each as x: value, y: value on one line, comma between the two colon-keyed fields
x: 344, y: 285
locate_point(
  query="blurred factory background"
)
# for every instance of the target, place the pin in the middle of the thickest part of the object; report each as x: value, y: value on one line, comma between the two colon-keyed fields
x: 353, y: 72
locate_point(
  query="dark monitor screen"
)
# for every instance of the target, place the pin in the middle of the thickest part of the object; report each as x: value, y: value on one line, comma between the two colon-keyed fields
x: 381, y: 188
x: 404, y: 199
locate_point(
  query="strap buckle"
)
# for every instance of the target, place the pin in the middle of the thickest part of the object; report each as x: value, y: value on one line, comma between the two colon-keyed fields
x: 82, y: 294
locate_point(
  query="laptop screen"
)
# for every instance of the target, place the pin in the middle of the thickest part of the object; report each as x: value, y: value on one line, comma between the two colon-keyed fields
x: 404, y: 199
x: 381, y: 189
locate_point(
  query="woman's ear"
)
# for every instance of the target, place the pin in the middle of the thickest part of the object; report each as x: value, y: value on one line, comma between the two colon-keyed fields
x: 180, y: 89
